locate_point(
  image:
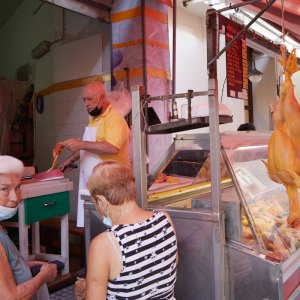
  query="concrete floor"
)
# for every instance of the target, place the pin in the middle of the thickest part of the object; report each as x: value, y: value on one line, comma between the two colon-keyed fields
x: 67, y: 293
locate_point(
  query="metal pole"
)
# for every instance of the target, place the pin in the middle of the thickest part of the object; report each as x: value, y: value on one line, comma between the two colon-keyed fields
x: 174, y: 54
x: 241, y: 32
x: 181, y: 95
x: 138, y: 146
x: 219, y: 229
x: 190, y: 96
x: 144, y: 57
x: 113, y: 80
x: 144, y: 52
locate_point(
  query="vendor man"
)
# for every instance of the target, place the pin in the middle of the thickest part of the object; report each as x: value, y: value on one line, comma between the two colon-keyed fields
x: 105, y: 137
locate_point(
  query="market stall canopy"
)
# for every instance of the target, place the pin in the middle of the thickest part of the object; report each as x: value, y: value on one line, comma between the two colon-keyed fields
x: 267, y: 29
x: 274, y: 15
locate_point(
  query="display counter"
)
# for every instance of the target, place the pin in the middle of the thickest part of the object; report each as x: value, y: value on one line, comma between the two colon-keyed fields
x: 265, y: 203
x: 259, y: 243
x: 268, y: 245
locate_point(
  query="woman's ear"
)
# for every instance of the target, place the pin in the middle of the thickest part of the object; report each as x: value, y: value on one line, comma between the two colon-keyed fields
x: 101, y: 201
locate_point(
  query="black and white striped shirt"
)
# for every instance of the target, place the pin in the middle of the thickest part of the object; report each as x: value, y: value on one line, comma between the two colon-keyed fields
x: 148, y: 260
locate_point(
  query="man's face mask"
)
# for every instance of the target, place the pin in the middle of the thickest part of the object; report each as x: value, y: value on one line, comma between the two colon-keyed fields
x: 95, y: 112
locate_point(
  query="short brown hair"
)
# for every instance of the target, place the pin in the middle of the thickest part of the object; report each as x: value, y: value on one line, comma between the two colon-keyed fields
x: 114, y: 181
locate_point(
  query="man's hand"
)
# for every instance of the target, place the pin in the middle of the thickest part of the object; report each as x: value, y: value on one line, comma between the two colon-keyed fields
x: 80, y: 288
x: 66, y: 165
x: 73, y: 144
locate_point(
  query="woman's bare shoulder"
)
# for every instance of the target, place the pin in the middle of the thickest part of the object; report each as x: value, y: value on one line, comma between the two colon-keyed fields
x: 100, y: 238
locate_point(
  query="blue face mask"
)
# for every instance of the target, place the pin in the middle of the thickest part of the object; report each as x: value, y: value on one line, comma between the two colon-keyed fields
x: 107, y: 221
x: 7, y: 212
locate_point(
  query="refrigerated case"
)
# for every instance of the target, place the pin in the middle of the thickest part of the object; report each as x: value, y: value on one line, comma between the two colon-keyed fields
x: 265, y: 203
x: 183, y: 172
x: 261, y: 249
x: 267, y: 256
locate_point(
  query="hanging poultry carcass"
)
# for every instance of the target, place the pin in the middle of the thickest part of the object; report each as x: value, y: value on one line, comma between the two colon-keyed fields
x: 284, y: 146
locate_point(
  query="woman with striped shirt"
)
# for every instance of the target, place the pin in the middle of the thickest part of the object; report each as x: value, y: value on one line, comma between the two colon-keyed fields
x: 136, y: 258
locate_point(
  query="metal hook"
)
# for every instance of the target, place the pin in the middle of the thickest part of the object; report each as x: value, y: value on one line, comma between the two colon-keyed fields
x: 236, y: 9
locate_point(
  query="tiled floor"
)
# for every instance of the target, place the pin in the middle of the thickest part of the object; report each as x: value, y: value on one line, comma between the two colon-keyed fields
x: 67, y: 293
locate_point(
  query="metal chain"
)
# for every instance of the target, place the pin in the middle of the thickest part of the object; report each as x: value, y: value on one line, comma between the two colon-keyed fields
x: 283, y: 34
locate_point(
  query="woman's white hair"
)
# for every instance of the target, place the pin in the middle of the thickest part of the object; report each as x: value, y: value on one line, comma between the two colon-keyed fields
x: 11, y: 165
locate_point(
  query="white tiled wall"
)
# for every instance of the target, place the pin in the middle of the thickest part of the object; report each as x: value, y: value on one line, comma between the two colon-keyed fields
x: 64, y: 117
x: 64, y: 114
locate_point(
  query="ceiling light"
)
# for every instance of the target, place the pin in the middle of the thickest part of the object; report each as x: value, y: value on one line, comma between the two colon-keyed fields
x: 254, y: 75
x: 216, y: 4
x: 188, y: 2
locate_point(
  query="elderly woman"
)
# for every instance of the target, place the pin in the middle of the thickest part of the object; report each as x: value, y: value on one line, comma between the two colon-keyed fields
x: 136, y: 258
x: 16, y: 281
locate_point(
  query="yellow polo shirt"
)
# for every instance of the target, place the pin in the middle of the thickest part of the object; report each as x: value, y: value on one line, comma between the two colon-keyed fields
x: 113, y: 129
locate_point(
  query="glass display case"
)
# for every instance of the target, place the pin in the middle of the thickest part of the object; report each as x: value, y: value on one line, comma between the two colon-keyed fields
x: 182, y: 179
x: 184, y: 173
x: 265, y: 203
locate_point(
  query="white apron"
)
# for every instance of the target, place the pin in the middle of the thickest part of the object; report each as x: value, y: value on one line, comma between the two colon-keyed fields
x: 88, y: 161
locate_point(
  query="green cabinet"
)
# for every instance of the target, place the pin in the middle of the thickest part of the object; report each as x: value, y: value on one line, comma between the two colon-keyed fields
x: 47, y: 206
x: 36, y: 207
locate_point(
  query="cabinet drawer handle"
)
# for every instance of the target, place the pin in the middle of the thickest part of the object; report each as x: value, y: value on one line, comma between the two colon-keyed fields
x: 52, y: 203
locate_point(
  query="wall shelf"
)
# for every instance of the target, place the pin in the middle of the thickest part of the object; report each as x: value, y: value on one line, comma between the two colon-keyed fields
x: 185, y: 124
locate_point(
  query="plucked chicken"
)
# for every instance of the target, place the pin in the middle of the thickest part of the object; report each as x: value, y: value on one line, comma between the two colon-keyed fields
x: 57, y: 150
x: 284, y: 146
